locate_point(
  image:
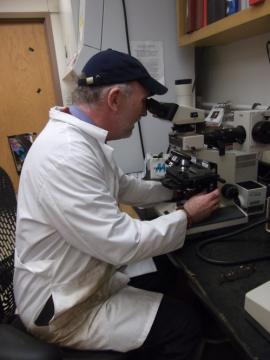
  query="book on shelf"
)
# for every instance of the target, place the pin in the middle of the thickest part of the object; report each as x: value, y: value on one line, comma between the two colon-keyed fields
x: 232, y: 6
x: 216, y: 10
x: 199, y: 14
x: 244, y: 4
x: 196, y: 16
x: 191, y: 16
x: 204, y: 12
x: 255, y: 2
x: 205, y: 22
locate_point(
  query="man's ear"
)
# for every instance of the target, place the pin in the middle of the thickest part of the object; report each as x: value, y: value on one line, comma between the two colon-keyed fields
x: 114, y: 97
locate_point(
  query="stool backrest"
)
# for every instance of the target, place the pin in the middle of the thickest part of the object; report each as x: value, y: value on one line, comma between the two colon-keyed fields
x: 8, y: 204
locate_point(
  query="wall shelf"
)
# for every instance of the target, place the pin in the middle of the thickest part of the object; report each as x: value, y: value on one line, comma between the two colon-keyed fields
x: 243, y: 24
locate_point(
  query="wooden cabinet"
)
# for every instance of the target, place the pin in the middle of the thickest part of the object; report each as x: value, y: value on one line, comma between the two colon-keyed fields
x: 243, y: 24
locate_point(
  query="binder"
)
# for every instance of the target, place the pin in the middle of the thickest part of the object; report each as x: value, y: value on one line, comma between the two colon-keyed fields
x: 244, y: 4
x: 232, y: 6
x: 199, y: 14
x: 205, y: 21
x: 216, y: 10
x: 191, y: 16
x: 255, y: 2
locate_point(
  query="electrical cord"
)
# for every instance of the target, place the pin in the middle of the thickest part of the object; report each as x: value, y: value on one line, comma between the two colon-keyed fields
x: 254, y: 105
x: 126, y: 25
x: 102, y: 24
x: 268, y: 50
x: 129, y: 52
x: 222, y: 237
x: 265, y: 178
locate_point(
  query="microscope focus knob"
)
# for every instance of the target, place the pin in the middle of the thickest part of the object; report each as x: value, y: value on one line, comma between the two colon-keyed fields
x: 261, y: 132
x: 229, y: 191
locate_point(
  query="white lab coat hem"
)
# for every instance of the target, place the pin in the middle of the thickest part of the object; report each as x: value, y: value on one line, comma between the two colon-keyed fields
x: 71, y: 247
x: 149, y: 323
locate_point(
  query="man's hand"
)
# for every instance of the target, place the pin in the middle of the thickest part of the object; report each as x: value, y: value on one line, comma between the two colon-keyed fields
x: 199, y: 207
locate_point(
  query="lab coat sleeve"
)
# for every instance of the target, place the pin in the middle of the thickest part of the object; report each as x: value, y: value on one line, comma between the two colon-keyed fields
x: 78, y: 202
x: 140, y: 192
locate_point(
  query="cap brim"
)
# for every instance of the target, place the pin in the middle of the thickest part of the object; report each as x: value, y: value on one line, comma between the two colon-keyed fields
x: 153, y: 86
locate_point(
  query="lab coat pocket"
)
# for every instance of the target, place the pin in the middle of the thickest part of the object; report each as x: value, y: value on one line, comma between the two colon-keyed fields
x: 79, y: 308
x: 40, y: 267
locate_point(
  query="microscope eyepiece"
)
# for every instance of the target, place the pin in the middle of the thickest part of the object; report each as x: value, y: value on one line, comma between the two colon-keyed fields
x: 261, y: 132
x: 164, y: 111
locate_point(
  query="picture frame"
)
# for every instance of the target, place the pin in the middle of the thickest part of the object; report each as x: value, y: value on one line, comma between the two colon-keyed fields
x: 19, y: 147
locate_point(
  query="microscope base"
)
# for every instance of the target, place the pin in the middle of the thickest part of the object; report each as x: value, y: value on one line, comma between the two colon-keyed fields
x: 223, y: 217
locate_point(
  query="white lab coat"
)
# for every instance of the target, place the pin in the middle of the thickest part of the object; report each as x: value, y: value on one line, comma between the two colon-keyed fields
x: 72, y: 241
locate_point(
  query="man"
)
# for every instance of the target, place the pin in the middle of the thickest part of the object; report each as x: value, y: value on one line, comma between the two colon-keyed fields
x: 73, y: 243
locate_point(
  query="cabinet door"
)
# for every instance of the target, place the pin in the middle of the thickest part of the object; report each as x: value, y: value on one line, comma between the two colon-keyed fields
x: 27, y: 88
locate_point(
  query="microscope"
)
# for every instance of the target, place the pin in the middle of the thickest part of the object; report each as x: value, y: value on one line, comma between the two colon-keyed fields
x: 205, y: 153
x: 218, y: 151
x: 235, y: 148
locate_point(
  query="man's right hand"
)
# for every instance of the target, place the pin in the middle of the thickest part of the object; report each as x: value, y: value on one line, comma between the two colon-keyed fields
x: 201, y: 206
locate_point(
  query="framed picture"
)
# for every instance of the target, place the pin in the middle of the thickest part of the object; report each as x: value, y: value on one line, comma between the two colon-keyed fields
x: 19, y: 146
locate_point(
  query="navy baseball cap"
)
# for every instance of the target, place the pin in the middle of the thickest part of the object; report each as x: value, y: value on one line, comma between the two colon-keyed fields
x: 110, y: 67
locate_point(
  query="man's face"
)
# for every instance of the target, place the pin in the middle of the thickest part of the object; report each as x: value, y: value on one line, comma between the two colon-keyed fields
x: 133, y: 106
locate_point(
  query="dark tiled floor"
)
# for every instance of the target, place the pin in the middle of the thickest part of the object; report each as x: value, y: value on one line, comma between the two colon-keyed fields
x: 217, y: 345
x: 219, y: 352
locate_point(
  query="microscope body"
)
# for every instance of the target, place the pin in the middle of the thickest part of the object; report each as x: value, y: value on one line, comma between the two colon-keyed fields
x: 235, y: 151
x: 227, y: 153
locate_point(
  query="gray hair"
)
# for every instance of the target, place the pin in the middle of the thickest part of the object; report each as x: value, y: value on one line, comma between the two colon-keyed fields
x: 96, y: 94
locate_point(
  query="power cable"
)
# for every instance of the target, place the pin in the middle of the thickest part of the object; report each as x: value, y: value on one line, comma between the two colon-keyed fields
x: 268, y: 49
x: 129, y: 52
x: 221, y: 238
x: 102, y: 24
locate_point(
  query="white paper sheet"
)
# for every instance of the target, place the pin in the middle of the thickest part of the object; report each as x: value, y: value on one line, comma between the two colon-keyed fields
x: 140, y: 268
x: 150, y: 53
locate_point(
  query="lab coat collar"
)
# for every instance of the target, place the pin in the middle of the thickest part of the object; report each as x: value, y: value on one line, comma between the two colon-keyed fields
x: 98, y: 133
x: 92, y: 130
x: 75, y: 111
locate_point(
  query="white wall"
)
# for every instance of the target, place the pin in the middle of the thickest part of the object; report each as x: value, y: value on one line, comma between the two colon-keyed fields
x: 153, y: 20
x: 238, y: 72
x: 28, y: 5
x: 68, y: 27
x: 156, y: 20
